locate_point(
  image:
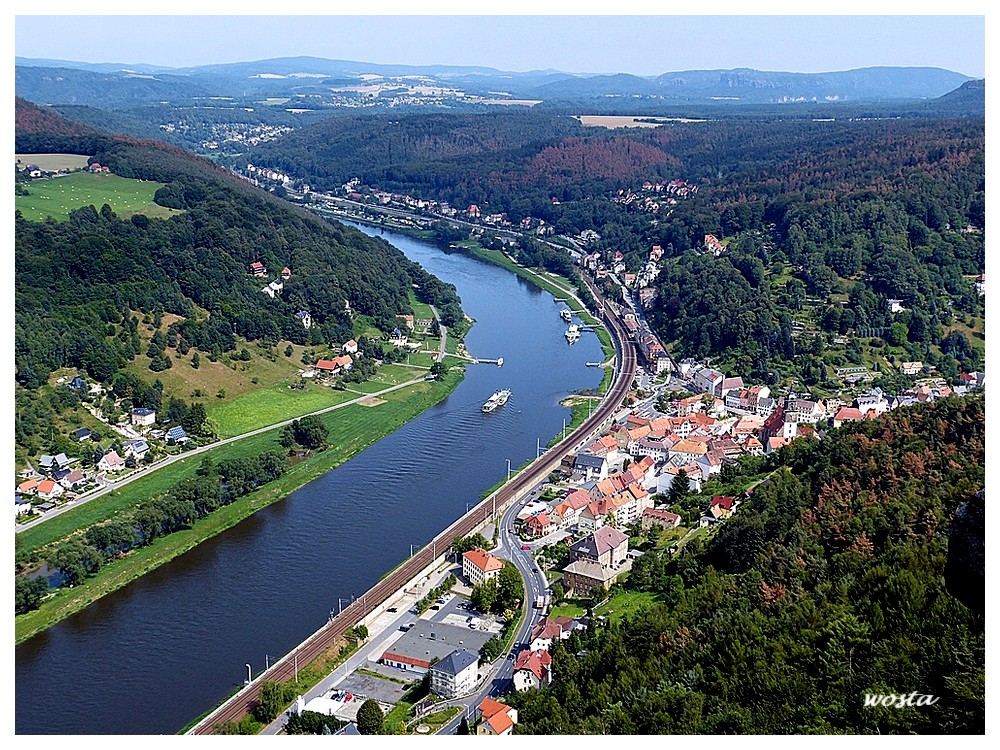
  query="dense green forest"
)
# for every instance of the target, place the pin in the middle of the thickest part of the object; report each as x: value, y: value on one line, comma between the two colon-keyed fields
x: 824, y: 221
x: 78, y: 280
x: 840, y: 576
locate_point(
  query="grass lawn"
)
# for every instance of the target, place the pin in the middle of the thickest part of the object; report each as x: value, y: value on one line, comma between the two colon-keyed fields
x: 350, y: 430
x: 568, y: 609
x: 626, y: 603
x: 270, y: 405
x: 57, y: 196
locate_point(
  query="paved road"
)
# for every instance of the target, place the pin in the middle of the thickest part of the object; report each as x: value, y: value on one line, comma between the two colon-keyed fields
x: 499, y: 680
x: 145, y: 472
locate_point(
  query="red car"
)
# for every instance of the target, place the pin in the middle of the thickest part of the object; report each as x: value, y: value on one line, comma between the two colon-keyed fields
x: 526, y: 546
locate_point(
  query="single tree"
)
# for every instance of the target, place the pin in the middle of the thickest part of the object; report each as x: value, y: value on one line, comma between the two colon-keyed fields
x: 463, y: 727
x: 679, y: 488
x: 370, y: 717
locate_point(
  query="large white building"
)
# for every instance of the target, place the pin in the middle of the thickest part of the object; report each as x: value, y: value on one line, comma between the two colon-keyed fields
x: 479, y: 566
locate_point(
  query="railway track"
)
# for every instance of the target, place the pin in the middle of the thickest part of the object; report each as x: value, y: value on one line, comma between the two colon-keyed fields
x: 241, y: 704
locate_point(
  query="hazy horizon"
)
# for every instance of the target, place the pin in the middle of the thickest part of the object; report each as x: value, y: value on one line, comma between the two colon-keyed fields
x: 586, y: 45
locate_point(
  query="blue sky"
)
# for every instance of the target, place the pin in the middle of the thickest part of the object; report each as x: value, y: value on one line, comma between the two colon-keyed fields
x: 639, y: 44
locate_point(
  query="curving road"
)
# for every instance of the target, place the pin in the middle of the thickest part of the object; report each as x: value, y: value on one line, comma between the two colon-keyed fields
x: 240, y: 704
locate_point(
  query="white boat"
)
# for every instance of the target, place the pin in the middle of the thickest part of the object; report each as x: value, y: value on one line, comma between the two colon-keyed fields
x: 500, y: 362
x: 573, y: 334
x: 499, y: 398
x: 566, y: 314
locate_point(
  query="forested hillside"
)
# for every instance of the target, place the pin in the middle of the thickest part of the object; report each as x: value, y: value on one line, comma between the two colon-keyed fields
x: 823, y: 221
x: 79, y: 281
x: 827, y: 584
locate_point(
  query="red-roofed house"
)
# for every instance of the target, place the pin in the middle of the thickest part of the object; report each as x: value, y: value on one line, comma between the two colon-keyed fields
x: 30, y: 486
x: 479, y: 565
x: 847, y: 414
x: 335, y: 365
x: 497, y: 718
x: 537, y: 525
x: 659, y: 517
x: 286, y: 273
x: 258, y: 269
x: 532, y: 669
x: 49, y: 489
x: 721, y: 506
x: 547, y: 631
x: 351, y: 347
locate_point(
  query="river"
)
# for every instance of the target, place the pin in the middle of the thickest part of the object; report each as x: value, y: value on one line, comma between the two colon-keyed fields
x: 165, y: 649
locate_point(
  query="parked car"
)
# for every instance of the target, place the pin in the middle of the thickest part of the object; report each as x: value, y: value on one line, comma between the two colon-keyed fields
x: 526, y: 546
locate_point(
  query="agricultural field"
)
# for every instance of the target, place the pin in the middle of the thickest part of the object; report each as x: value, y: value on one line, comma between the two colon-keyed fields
x: 51, y: 162
x: 55, y: 197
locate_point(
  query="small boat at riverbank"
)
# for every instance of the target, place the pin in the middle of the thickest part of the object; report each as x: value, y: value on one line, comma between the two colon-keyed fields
x: 566, y: 314
x: 500, y: 362
x: 499, y: 398
x: 573, y: 334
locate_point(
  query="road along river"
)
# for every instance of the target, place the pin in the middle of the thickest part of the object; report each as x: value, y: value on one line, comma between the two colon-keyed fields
x: 152, y: 656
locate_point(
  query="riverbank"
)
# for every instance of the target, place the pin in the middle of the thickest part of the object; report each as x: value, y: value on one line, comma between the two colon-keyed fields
x: 350, y: 431
x: 558, y: 286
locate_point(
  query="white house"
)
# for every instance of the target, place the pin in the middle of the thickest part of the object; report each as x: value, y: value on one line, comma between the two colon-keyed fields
x: 111, y: 462
x: 455, y: 675
x: 479, y: 566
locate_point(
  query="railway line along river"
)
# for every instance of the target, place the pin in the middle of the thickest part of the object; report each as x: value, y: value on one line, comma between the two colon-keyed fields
x: 163, y: 650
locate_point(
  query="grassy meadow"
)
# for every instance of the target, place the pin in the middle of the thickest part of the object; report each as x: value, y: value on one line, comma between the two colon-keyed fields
x: 57, y: 196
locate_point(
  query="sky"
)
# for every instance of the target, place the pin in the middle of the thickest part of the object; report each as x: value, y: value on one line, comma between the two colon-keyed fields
x: 647, y: 44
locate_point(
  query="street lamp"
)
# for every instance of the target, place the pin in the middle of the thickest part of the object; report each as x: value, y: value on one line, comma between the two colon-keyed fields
x: 249, y: 676
x: 411, y: 548
x: 508, y: 469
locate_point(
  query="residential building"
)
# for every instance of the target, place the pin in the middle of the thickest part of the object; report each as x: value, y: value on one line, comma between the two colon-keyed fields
x: 659, y: 517
x: 497, y: 718
x: 48, y: 489
x: 455, y: 675
x: 479, y: 566
x: 137, y: 448
x: 721, y: 506
x: 583, y: 576
x: 847, y: 414
x: 592, y: 467
x: 351, y: 347
x: 304, y: 317
x: 911, y: 368
x: 143, y: 417
x: 335, y: 365
x: 532, y: 669
x: 606, y: 546
x: 111, y: 462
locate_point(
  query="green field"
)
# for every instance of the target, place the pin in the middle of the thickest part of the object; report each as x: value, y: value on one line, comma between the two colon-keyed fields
x: 626, y: 603
x: 57, y: 196
x: 272, y: 405
x: 52, y: 162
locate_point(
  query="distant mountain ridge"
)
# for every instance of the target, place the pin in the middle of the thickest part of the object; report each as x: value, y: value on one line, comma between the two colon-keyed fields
x: 114, y: 84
